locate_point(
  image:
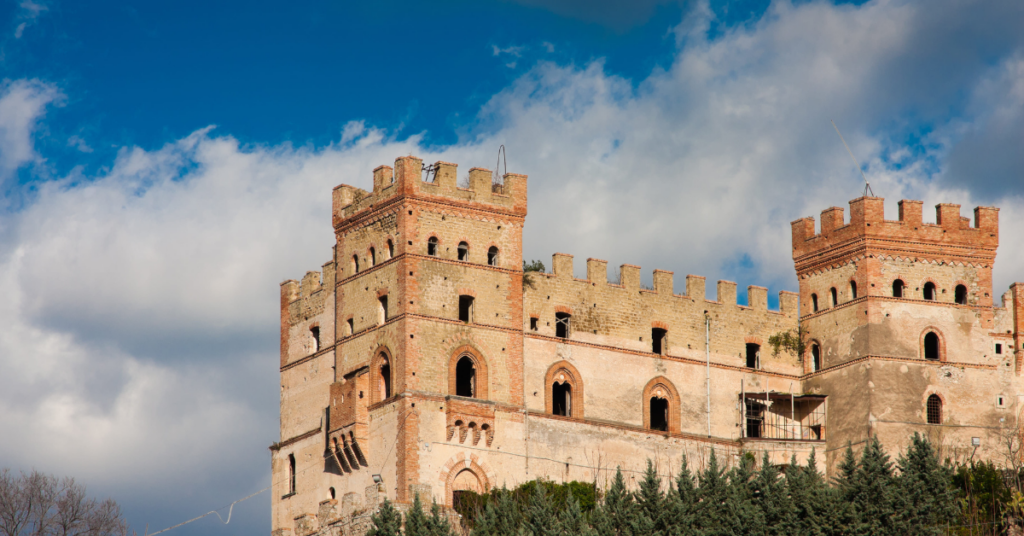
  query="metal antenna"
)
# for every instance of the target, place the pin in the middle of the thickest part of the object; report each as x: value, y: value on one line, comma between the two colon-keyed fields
x: 867, y: 185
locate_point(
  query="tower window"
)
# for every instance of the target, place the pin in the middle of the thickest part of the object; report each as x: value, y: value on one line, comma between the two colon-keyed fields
x: 391, y: 249
x: 658, y: 340
x: 897, y: 288
x: 853, y: 290
x: 814, y: 302
x: 753, y: 355
x: 291, y: 474
x: 383, y: 308
x: 463, y: 251
x: 314, y: 333
x: 960, y: 295
x: 835, y: 296
x: 815, y: 358
x: 562, y: 325
x: 355, y: 264
x: 929, y: 291
x: 384, y: 378
x: 492, y: 256
x: 561, y: 399
x: 465, y: 378
x: 351, y: 327
x: 934, y: 409
x: 999, y: 348
x: 931, y: 346
x: 466, y: 309
x: 659, y: 414
x: 373, y: 257
x: 533, y: 324
x: 432, y: 246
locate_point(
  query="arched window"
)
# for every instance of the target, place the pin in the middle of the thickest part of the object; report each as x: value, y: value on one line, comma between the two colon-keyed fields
x: 815, y: 358
x: 934, y: 408
x: 432, y: 246
x: 492, y: 256
x: 291, y: 474
x: 753, y: 355
x: 355, y: 264
x: 659, y: 414
x: 897, y: 288
x: 853, y: 290
x: 463, y: 251
x: 960, y: 295
x: 562, y: 325
x: 835, y: 296
x: 384, y: 377
x: 314, y: 334
x: 373, y: 257
x: 929, y: 291
x: 382, y: 309
x: 931, y: 346
x: 391, y: 249
x: 814, y: 302
x: 332, y: 492
x: 561, y: 399
x: 465, y: 378
x: 658, y: 340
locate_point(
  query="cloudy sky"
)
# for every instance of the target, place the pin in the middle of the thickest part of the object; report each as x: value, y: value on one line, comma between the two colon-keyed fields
x: 165, y: 165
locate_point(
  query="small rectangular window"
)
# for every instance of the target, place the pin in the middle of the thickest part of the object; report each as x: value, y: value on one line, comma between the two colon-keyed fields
x: 351, y: 327
x: 562, y: 325
x: 314, y: 332
x: 658, y: 340
x: 999, y: 348
x: 466, y: 309
x: 383, y: 308
x: 753, y: 356
x: 533, y: 324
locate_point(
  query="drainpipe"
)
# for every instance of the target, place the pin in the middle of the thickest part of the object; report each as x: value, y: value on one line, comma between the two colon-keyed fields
x: 707, y: 352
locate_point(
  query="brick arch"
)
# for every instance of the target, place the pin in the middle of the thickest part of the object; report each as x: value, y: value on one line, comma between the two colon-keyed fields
x: 460, y: 465
x: 659, y: 324
x: 668, y: 391
x: 942, y: 342
x: 379, y: 355
x: 753, y: 340
x: 892, y: 280
x: 479, y: 363
x: 924, y: 282
x: 564, y: 372
x: 563, y: 309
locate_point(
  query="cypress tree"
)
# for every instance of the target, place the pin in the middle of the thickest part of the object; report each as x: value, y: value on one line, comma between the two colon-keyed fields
x: 715, y: 516
x: 747, y: 516
x: 386, y: 521
x: 774, y: 501
x: 814, y: 512
x: 926, y: 498
x: 436, y: 525
x: 848, y: 514
x: 873, y: 492
x: 415, y: 519
x: 540, y: 513
x: 681, y: 504
x: 613, y: 516
x: 650, y: 513
x: 572, y: 522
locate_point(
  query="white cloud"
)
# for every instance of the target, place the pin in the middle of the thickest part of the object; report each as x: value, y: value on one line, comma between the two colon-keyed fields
x: 29, y: 12
x: 140, y: 304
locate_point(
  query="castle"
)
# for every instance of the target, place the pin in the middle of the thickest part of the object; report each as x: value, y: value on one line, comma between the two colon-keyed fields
x: 422, y: 360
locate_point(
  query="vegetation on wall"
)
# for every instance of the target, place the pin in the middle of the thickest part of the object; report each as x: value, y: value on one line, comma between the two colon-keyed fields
x: 533, y: 266
x: 791, y: 341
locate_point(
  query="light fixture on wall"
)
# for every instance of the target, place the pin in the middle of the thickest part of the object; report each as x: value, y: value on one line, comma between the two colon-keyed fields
x: 377, y: 479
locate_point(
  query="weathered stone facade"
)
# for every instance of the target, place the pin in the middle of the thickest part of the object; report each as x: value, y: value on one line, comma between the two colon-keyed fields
x: 419, y: 361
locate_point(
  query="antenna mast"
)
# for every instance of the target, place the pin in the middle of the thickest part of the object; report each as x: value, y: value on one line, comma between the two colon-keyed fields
x: 867, y: 185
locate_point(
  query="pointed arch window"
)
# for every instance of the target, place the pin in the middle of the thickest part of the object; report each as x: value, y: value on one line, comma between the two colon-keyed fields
x: 465, y: 377
x: 815, y: 357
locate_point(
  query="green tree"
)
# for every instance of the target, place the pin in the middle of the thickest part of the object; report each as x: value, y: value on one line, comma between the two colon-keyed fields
x: 572, y: 522
x: 613, y: 517
x: 927, y: 500
x: 681, y: 504
x: 650, y: 505
x: 716, y: 515
x: 386, y: 521
x: 747, y: 517
x: 540, y: 513
x: 416, y: 520
x: 773, y: 499
x: 437, y: 524
x: 815, y: 510
x: 870, y: 492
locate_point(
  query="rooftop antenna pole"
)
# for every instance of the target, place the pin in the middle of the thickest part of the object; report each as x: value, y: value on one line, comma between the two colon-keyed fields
x: 867, y: 185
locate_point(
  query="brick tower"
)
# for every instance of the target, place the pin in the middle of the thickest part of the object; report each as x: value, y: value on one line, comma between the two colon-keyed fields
x: 901, y: 327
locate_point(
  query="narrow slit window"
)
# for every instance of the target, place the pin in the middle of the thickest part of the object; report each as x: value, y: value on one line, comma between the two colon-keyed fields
x: 533, y: 324
x: 929, y: 291
x: 659, y: 414
x: 383, y: 301
x: 355, y: 264
x: 350, y: 325
x: 465, y: 378
x: 934, y: 409
x: 834, y: 296
x: 562, y: 325
x: 314, y: 333
x: 463, y: 251
x: 815, y: 358
x: 753, y: 355
x: 658, y: 340
x: 561, y: 399
x: 931, y: 346
x: 432, y: 246
x: 960, y: 295
x: 391, y: 249
x: 466, y: 309
x: 291, y: 474
x: 897, y: 288
x: 373, y: 257
x: 853, y: 290
x: 492, y: 256
x: 814, y: 303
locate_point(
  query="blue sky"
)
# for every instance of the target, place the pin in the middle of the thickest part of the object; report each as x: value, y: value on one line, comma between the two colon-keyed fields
x: 164, y: 166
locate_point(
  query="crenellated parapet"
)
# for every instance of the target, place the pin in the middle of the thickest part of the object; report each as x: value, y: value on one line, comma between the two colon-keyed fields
x: 437, y: 182
x: 951, y: 237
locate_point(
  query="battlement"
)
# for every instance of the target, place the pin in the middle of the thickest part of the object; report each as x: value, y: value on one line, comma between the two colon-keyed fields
x: 868, y: 223
x: 437, y: 182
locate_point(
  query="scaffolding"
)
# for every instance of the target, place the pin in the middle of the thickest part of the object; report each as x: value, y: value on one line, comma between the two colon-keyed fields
x: 783, y: 416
